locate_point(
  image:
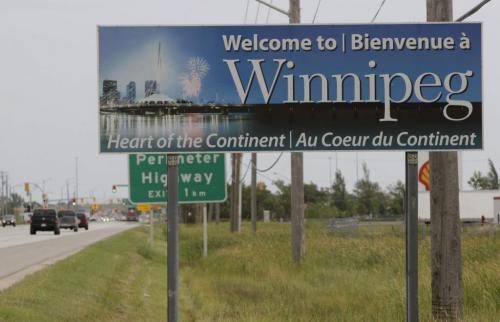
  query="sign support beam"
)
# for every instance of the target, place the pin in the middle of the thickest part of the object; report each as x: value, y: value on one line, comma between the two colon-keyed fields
x: 205, y: 231
x: 151, y: 229
x: 411, y: 227
x: 173, y: 238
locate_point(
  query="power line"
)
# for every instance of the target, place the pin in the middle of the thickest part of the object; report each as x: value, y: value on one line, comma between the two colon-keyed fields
x: 246, y: 12
x: 257, y: 14
x: 268, y: 12
x: 282, y: 175
x: 285, y: 12
x: 472, y: 11
x: 272, y: 165
x: 246, y: 171
x: 316, y: 13
x: 267, y: 177
x: 379, y: 8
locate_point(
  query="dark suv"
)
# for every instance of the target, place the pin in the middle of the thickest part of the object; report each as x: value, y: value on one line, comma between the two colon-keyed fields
x: 44, y: 220
x: 84, y: 221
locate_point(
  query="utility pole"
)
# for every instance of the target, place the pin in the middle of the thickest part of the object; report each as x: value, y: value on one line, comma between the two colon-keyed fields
x: 2, y: 180
x: 5, y: 191
x: 210, y: 210
x: 173, y: 237
x: 446, y: 270
x: 7, y: 195
x: 217, y: 213
x: 297, y: 165
x: 76, y: 184
x: 253, y: 196
x: 151, y: 229
x: 235, y: 214
x: 67, y: 193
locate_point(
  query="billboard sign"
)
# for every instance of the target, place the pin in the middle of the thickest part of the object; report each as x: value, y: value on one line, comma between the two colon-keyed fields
x: 202, y: 178
x: 290, y: 88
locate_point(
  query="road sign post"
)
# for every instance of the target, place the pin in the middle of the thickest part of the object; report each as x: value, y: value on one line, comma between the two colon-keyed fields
x: 205, y: 231
x: 411, y: 224
x: 151, y: 229
x: 173, y: 238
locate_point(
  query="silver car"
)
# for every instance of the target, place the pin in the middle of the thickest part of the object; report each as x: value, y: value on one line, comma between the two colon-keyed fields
x: 68, y: 220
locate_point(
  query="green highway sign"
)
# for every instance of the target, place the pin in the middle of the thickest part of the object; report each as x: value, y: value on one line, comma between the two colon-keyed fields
x: 202, y: 178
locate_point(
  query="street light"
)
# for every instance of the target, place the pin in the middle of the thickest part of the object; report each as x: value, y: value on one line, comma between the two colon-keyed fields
x: 67, y: 189
x: 43, y: 183
x: 113, y: 189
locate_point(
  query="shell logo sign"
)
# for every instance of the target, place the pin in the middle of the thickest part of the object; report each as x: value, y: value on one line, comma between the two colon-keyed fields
x: 424, y: 175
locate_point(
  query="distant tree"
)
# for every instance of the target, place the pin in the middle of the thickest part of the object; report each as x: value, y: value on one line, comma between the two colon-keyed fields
x: 312, y: 194
x: 266, y: 200
x: 396, y: 197
x: 339, y: 192
x: 478, y: 181
x: 283, y: 198
x: 487, y: 182
x: 493, y: 176
x: 368, y: 196
x: 15, y: 200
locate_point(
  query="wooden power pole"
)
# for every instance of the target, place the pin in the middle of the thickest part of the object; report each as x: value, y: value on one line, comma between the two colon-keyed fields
x: 253, y: 196
x: 217, y: 213
x: 235, y: 221
x: 446, y: 271
x: 297, y: 189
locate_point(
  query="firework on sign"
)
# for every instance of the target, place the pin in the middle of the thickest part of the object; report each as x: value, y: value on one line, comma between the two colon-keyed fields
x: 191, y: 82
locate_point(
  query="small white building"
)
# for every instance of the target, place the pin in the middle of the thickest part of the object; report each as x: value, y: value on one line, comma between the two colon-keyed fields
x: 497, y: 208
x: 473, y: 205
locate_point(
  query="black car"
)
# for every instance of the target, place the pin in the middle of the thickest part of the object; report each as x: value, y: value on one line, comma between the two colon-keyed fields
x: 9, y: 220
x: 45, y: 220
x: 68, y: 219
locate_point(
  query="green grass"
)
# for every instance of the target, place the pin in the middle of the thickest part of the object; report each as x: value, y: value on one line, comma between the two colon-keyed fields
x: 249, y: 277
x: 118, y: 279
x: 359, y: 278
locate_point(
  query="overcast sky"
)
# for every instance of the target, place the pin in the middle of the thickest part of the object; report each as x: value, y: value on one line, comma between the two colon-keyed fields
x: 49, y: 86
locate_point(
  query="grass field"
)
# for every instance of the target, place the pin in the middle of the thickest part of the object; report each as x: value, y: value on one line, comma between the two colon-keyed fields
x: 249, y: 277
x: 118, y: 279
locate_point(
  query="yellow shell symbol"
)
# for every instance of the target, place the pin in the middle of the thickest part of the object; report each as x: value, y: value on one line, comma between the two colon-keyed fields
x: 424, y: 175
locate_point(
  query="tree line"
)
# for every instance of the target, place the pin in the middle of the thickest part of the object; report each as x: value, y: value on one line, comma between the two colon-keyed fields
x: 366, y: 199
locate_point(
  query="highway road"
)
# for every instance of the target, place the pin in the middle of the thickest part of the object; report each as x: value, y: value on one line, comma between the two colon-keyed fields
x: 22, y: 254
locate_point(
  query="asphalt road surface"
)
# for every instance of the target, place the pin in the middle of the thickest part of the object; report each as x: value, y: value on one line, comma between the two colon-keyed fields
x: 22, y: 254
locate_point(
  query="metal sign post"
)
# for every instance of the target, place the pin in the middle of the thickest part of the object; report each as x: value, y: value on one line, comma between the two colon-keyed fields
x: 173, y: 238
x: 151, y: 229
x: 205, y: 231
x: 411, y: 224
